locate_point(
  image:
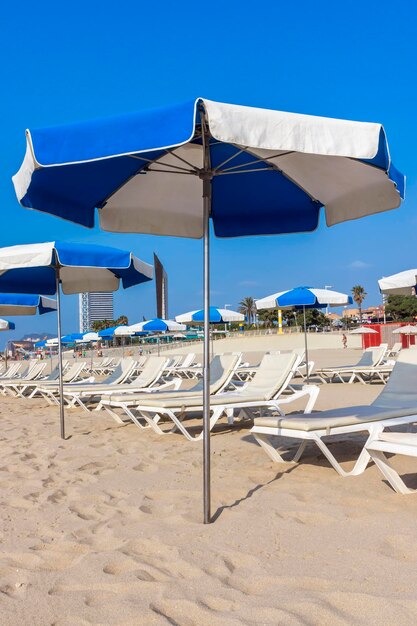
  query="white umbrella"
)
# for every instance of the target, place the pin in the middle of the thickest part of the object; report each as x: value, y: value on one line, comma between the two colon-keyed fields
x: 363, y: 331
x: 401, y: 284
x: 406, y: 330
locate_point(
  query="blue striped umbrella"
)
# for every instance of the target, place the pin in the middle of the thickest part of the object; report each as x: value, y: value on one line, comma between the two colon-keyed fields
x: 302, y: 298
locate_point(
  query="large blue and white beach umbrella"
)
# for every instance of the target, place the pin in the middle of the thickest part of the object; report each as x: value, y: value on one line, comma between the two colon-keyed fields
x: 156, y: 325
x: 216, y: 316
x: 167, y: 171
x: 25, y: 304
x: 302, y: 298
x: 75, y: 268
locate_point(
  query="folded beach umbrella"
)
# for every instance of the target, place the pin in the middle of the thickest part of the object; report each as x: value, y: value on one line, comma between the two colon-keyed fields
x: 216, y: 316
x: 302, y: 298
x: 167, y: 171
x: 157, y: 325
x: 49, y: 267
x: 401, y: 284
x: 6, y: 325
x: 25, y: 304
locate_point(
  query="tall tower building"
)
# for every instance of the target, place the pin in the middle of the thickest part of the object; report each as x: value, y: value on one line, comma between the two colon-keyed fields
x: 161, y: 284
x: 93, y: 307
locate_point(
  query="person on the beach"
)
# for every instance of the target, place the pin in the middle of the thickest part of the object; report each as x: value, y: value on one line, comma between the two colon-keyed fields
x: 344, y: 340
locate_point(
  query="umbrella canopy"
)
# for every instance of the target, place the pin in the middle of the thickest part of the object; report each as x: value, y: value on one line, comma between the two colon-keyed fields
x: 123, y: 331
x: 40, y: 344
x: 216, y: 316
x: 6, y: 325
x: 406, y: 330
x: 90, y: 336
x: 363, y: 331
x: 70, y: 338
x: 25, y: 304
x: 157, y: 325
x: 279, y: 167
x: 107, y: 333
x: 301, y: 297
x: 167, y: 171
x: 31, y: 268
x: 401, y: 284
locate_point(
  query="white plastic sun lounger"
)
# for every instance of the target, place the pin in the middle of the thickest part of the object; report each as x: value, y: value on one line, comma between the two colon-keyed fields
x: 222, y: 368
x: 13, y: 385
x: 266, y: 390
x: 371, y: 357
x: 392, y: 443
x: 17, y: 370
x: 84, y: 395
x: 49, y: 388
x: 395, y: 350
x: 396, y: 405
x: 122, y: 373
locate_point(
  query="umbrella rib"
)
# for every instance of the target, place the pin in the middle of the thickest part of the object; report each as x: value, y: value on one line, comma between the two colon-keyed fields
x: 255, y: 169
x: 229, y: 159
x: 260, y: 160
x: 158, y: 161
x: 185, y: 173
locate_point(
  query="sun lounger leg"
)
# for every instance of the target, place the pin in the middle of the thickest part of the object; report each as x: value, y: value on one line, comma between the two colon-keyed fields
x: 112, y: 414
x: 390, y: 473
x: 362, y: 461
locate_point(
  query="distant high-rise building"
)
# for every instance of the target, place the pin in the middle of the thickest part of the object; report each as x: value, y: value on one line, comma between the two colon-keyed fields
x: 161, y: 284
x: 93, y: 307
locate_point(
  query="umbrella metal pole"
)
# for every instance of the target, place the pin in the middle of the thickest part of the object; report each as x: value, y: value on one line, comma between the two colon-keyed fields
x: 206, y: 365
x: 61, y: 386
x: 305, y: 341
x: 206, y: 176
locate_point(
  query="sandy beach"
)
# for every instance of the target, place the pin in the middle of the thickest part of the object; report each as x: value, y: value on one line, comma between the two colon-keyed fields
x: 105, y: 528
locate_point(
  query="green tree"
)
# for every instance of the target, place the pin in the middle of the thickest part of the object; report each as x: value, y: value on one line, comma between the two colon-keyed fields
x: 102, y: 324
x: 314, y: 317
x: 247, y: 308
x: 269, y: 317
x: 401, y: 308
x: 359, y: 294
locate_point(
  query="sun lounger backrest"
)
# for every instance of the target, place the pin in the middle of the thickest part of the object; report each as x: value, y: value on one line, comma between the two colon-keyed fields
x: 401, y: 388
x: 188, y: 360
x: 273, y: 373
x: 379, y: 354
x: 121, y: 372
x: 151, y: 371
x: 12, y: 370
x: 34, y: 371
x: 73, y: 372
x: 222, y: 367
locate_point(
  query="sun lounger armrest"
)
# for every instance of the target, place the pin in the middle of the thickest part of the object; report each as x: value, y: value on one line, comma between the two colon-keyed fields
x: 312, y: 391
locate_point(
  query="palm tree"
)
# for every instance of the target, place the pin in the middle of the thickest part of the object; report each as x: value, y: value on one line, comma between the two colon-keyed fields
x: 359, y: 294
x: 248, y: 308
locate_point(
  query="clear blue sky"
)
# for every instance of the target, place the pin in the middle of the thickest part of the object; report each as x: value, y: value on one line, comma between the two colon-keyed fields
x: 63, y: 62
